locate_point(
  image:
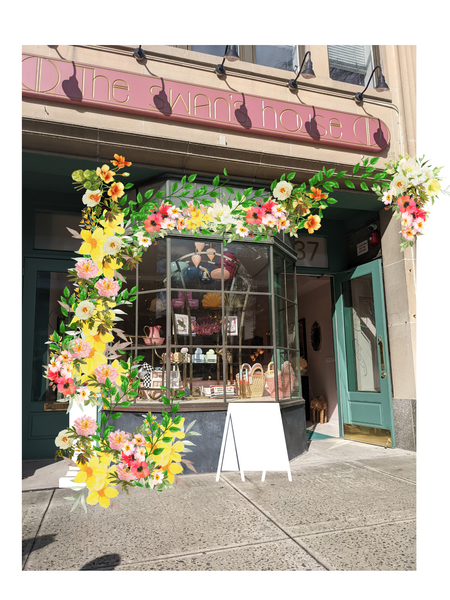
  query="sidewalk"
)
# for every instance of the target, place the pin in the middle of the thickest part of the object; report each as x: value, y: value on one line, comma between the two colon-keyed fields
x: 350, y: 507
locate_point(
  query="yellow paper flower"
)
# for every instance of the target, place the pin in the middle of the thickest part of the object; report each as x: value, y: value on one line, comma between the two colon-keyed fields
x: 103, y: 494
x: 114, y: 226
x: 116, y: 365
x: 96, y: 340
x: 93, y: 473
x: 93, y: 243
x: 109, y: 265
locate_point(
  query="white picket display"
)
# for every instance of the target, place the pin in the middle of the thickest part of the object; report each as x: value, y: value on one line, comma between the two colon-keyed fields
x: 253, y: 440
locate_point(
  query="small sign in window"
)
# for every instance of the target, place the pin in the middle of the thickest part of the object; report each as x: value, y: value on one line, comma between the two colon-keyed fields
x: 312, y: 252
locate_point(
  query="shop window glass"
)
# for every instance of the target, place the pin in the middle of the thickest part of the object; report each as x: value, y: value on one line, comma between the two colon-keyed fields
x: 279, y: 57
x: 352, y: 64
x: 50, y: 231
x: 248, y: 319
x: 253, y: 271
x: 211, y: 333
x: 214, y: 50
x: 152, y: 270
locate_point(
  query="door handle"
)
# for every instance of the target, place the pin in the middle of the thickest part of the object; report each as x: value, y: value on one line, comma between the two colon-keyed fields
x: 380, y: 343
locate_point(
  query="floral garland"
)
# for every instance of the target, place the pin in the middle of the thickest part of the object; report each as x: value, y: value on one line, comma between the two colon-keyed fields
x: 87, y: 370
x: 412, y: 185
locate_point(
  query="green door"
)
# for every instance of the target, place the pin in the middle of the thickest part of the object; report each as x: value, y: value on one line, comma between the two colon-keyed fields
x: 42, y: 417
x: 363, y: 371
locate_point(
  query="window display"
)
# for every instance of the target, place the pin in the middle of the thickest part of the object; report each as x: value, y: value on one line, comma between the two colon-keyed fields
x: 220, y: 326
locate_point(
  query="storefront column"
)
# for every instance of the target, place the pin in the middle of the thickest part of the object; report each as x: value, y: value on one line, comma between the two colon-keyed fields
x: 399, y: 274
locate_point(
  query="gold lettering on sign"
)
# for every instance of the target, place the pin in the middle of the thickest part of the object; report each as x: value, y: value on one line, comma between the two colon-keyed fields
x: 83, y: 78
x: 38, y: 74
x: 94, y: 81
x: 264, y: 108
x: 297, y: 118
x: 215, y: 108
x: 207, y: 105
x: 367, y: 141
x: 37, y: 62
x: 116, y: 86
x: 180, y: 97
x: 334, y: 122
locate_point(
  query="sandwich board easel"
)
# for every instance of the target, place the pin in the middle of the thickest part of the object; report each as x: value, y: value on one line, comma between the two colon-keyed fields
x: 253, y: 439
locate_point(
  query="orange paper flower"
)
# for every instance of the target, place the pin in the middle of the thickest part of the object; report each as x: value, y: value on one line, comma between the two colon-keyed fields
x: 120, y: 161
x: 312, y: 223
x: 116, y: 191
x: 317, y: 195
x: 105, y: 173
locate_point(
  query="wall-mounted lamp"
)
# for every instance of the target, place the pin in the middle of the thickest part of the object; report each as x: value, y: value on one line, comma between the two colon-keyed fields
x: 139, y: 54
x: 380, y: 87
x: 231, y: 54
x: 308, y: 72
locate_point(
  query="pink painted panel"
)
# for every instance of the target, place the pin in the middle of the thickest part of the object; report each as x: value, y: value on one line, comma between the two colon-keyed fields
x: 80, y: 84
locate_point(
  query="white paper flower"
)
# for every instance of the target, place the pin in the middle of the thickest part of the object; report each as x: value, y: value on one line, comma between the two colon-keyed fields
x: 84, y: 310
x: 92, y: 197
x: 144, y: 239
x: 388, y: 197
x: 282, y: 190
x: 222, y: 213
x: 112, y: 245
x: 399, y: 184
x: 410, y: 167
x: 63, y: 440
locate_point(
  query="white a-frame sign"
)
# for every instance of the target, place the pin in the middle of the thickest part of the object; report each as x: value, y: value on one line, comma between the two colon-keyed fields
x: 253, y: 439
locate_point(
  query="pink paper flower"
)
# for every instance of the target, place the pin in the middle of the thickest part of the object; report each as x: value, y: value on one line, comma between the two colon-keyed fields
x: 107, y: 287
x: 139, y: 440
x: 127, y: 450
x: 80, y: 349
x: 124, y: 473
x: 85, y: 425
x: 106, y: 371
x: 254, y: 215
x: 117, y: 439
x: 86, y: 268
x: 66, y: 386
x: 153, y: 222
x: 405, y: 204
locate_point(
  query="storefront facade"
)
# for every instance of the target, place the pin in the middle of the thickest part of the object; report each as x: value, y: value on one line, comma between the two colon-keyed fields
x: 342, y: 299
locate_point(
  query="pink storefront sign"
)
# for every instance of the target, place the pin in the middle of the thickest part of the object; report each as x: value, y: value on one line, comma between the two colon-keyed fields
x: 80, y: 84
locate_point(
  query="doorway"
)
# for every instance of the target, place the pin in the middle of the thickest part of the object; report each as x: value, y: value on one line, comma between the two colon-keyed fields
x: 43, y: 417
x: 344, y: 345
x: 318, y: 375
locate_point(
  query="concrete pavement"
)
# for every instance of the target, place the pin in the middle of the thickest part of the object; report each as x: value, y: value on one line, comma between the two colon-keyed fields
x: 350, y: 507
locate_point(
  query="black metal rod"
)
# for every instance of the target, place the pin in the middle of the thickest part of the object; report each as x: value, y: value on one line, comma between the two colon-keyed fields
x: 300, y: 70
x: 370, y: 78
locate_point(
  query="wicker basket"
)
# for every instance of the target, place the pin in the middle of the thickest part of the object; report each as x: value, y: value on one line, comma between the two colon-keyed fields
x: 286, y: 379
x: 257, y: 381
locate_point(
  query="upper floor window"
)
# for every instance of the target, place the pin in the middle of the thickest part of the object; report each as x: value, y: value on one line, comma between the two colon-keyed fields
x: 279, y: 57
x: 214, y: 50
x: 352, y: 64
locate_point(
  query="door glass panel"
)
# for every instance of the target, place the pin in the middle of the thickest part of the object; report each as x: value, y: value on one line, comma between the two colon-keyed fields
x: 361, y: 335
x: 49, y: 289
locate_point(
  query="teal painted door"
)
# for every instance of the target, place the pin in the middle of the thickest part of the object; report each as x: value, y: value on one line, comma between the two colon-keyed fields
x: 43, y: 284
x: 363, y: 371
